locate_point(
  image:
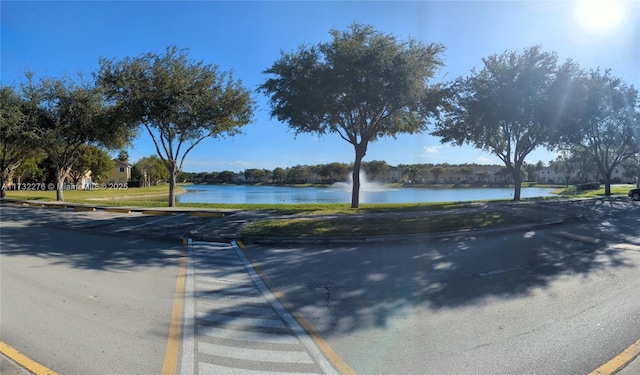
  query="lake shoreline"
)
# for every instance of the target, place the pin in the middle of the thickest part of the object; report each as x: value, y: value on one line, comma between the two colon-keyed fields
x: 390, y: 185
x: 341, y: 193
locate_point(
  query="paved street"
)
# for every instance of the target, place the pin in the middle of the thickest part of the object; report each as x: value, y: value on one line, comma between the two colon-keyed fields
x: 85, y: 303
x: 556, y: 300
x: 92, y: 292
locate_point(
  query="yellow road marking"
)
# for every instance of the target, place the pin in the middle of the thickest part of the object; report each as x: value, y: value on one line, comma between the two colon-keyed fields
x: 24, y: 361
x: 331, y: 355
x: 621, y: 360
x: 170, y: 364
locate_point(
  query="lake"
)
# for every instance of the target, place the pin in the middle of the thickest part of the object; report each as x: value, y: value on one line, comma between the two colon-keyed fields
x: 341, y: 193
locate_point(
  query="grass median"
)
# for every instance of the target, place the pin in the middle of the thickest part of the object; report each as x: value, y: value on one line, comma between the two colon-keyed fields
x: 346, y: 225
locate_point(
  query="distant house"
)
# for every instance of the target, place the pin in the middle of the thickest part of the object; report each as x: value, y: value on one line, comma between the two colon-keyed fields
x: 120, y: 174
x: 493, y: 174
x: 549, y: 175
x: 393, y: 174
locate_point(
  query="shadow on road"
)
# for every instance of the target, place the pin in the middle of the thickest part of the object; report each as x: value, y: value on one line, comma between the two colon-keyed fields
x: 49, y: 235
x: 362, y: 286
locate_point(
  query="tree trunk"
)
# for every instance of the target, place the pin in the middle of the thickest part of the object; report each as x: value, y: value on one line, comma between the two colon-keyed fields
x: 60, y: 176
x: 6, y: 177
x: 607, y: 184
x: 516, y: 190
x: 355, y: 190
x: 517, y: 182
x: 172, y: 187
x: 3, y: 190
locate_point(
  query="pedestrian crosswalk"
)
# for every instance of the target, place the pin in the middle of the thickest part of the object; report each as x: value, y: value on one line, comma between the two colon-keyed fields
x: 234, y: 325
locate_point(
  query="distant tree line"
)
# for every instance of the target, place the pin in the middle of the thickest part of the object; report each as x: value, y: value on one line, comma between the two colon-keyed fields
x: 425, y: 173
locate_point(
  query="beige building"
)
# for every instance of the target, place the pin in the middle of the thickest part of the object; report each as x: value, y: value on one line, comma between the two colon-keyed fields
x: 550, y: 176
x: 120, y: 174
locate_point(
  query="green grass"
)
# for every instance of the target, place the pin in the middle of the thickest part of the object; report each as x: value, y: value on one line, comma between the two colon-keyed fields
x: 388, y: 225
x: 96, y: 196
x: 572, y: 191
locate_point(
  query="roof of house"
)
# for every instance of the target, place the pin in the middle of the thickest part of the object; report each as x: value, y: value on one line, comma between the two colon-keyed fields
x: 122, y: 163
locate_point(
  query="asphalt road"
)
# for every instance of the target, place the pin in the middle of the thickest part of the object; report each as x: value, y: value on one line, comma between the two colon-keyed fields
x: 555, y: 300
x: 84, y: 303
x: 91, y: 292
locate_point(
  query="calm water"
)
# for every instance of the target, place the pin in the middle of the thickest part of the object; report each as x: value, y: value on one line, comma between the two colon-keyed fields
x: 341, y: 193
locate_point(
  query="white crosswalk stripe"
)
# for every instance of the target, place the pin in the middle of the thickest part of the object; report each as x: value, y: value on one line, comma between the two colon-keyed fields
x: 255, y: 354
x: 265, y: 337
x: 209, y: 369
x: 234, y: 325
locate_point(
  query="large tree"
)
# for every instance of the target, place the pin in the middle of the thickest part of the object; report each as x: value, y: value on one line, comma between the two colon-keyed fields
x: 67, y: 116
x: 180, y: 102
x: 602, y: 120
x: 501, y: 108
x: 17, y: 138
x: 363, y: 85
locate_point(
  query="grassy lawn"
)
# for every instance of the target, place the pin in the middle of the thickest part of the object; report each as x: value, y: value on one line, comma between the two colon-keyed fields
x: 572, y: 191
x: 100, y: 196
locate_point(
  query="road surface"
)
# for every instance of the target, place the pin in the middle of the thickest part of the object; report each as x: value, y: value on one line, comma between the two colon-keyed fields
x: 93, y: 292
x: 557, y: 300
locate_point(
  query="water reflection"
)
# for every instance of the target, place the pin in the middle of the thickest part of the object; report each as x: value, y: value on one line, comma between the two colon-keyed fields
x: 339, y: 194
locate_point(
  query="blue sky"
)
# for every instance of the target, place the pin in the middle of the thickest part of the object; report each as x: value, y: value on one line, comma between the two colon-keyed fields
x: 54, y: 38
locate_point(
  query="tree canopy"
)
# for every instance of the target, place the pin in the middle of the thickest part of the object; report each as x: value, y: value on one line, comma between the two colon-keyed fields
x: 602, y: 121
x: 67, y: 116
x: 180, y: 102
x: 363, y: 85
x: 150, y: 170
x: 502, y: 109
x: 17, y: 138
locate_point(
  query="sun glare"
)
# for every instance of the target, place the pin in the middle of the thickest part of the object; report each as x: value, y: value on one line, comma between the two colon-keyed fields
x: 598, y: 15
